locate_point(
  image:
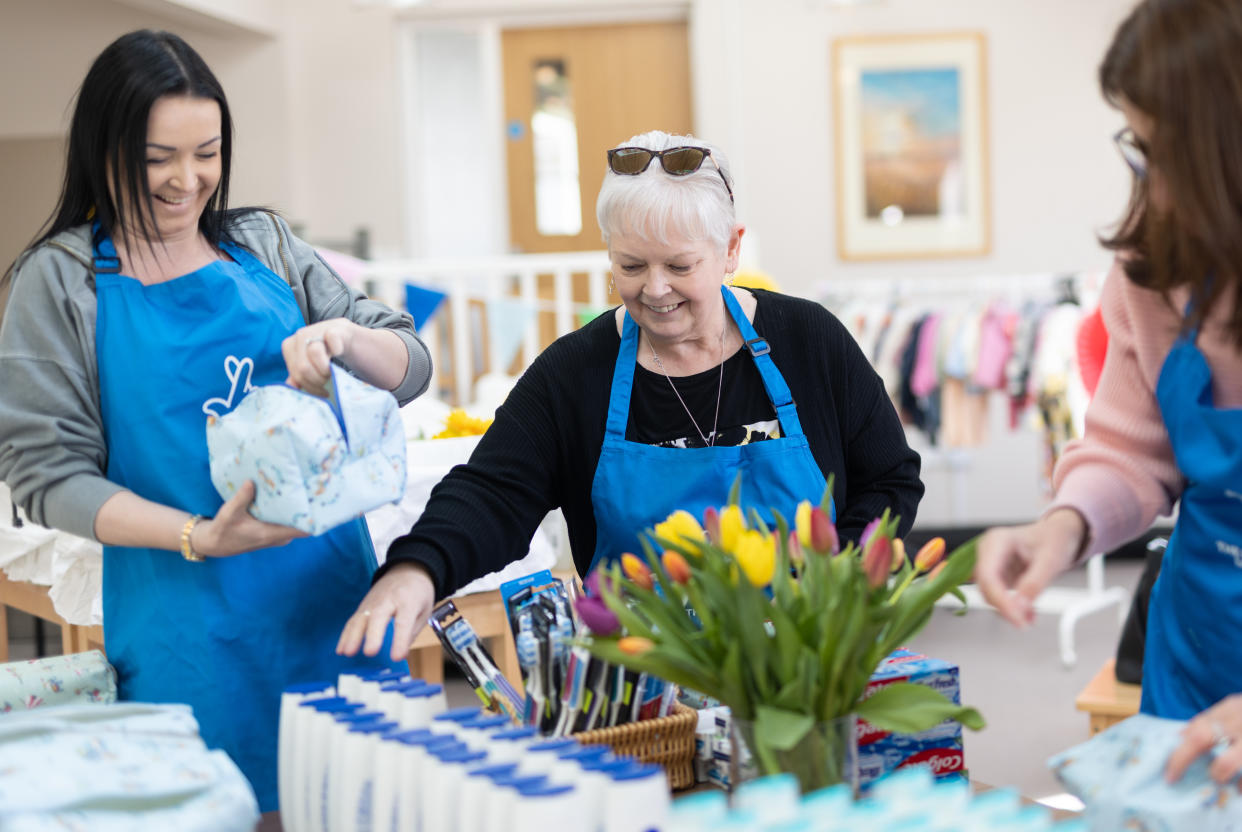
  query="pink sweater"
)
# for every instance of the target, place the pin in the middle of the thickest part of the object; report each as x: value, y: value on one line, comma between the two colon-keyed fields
x: 1121, y: 475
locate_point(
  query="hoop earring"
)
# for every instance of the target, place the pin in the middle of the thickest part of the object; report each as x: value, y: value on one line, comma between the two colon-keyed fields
x: 728, y: 278
x: 612, y: 287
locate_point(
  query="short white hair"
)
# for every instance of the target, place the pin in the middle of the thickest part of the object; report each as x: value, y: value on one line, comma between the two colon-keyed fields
x: 653, y: 203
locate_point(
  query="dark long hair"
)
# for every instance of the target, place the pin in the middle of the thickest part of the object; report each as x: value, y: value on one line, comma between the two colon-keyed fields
x: 1177, y: 61
x: 108, y: 136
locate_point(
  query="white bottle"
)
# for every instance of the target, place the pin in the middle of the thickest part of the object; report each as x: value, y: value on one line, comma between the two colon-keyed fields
x: 478, y: 783
x: 497, y: 810
x: 391, y: 697
x: 636, y: 799
x: 355, y: 808
x: 410, y: 774
x: 422, y: 704
x: 444, y: 811
x: 547, y: 806
x: 474, y: 732
x: 288, y: 740
x: 508, y: 745
x: 334, y: 773
x: 319, y: 718
x: 450, y: 721
x: 369, y: 687
x: 541, y: 756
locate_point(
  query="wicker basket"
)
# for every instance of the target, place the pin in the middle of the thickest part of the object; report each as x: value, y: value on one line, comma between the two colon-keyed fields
x: 668, y: 741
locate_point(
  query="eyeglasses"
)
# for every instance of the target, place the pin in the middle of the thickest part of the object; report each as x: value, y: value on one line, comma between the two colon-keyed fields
x: 676, y: 161
x: 1133, y: 150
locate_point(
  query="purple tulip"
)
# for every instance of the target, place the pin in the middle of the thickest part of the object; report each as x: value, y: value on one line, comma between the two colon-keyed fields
x: 596, y: 616
x: 867, y: 532
x: 592, y: 584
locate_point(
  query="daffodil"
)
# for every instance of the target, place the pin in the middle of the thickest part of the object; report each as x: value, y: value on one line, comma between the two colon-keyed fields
x: 756, y: 555
x: 732, y: 524
x: 681, y: 527
x: 802, y: 522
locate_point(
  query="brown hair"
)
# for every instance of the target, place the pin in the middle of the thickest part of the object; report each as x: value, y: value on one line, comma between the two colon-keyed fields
x: 1178, y: 62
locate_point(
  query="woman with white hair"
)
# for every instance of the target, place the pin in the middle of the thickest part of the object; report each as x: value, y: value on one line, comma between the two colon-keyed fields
x: 658, y: 406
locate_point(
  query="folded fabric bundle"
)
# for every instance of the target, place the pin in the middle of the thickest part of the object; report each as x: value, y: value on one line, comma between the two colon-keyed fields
x: 1119, y: 776
x: 315, y: 462
x: 127, y: 767
x: 56, y: 680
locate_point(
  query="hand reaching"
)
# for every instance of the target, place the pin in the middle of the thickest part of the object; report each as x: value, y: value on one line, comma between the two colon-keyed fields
x: 405, y: 595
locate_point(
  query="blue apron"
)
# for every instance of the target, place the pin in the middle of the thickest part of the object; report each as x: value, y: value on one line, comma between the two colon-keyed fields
x: 227, y: 635
x: 1194, y: 620
x: 638, y: 485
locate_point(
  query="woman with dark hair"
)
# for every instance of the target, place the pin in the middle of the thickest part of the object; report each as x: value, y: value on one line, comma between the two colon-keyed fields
x: 144, y: 298
x: 1165, y: 422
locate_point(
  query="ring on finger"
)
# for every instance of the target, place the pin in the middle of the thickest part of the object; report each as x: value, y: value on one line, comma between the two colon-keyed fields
x: 314, y: 339
x: 1219, y: 736
x: 366, y: 613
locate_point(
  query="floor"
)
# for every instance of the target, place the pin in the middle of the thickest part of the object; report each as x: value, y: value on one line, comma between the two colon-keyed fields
x: 1014, y: 678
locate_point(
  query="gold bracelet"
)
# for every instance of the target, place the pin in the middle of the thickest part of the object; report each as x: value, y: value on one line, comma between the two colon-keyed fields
x: 187, y: 548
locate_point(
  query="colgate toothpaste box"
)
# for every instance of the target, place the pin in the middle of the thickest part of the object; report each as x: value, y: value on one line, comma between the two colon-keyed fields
x: 939, y: 748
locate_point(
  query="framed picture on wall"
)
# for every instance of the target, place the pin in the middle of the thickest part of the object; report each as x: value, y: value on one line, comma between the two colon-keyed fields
x: 911, y: 146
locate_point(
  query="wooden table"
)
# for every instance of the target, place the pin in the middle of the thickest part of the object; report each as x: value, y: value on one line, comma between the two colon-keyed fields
x: 1106, y: 700
x: 33, y: 599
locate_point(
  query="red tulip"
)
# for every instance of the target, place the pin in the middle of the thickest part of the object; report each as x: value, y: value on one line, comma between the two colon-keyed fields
x: 876, y: 561
x: 823, y: 534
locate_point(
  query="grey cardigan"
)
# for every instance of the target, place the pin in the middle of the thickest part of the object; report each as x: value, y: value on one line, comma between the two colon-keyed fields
x: 52, y: 451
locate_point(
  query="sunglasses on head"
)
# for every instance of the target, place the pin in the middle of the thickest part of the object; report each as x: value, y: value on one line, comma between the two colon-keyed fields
x: 676, y: 161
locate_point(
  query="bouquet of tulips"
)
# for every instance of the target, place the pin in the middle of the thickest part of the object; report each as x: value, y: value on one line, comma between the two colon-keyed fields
x: 780, y: 624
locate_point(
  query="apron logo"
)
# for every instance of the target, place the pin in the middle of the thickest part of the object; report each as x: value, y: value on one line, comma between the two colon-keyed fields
x: 234, y: 368
x: 1230, y: 550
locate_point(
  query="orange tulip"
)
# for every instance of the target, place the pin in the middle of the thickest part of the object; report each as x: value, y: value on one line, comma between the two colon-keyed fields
x: 930, y: 555
x: 676, y: 567
x: 634, y: 645
x: 637, y: 571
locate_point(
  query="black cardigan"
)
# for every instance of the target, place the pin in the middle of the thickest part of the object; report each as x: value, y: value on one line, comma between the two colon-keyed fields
x: 542, y: 449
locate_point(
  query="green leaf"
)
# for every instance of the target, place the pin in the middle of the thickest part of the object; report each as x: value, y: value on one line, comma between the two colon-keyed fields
x: 781, y: 729
x: 907, y: 708
x: 735, y: 490
x: 825, y: 502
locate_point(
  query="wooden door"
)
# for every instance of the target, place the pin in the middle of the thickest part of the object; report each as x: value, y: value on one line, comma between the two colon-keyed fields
x: 596, y: 86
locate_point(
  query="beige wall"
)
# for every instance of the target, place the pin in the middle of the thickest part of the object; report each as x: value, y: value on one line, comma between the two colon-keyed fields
x: 47, y: 46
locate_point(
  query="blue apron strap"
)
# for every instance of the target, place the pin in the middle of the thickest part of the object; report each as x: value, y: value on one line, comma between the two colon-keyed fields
x: 106, y: 260
x: 773, y: 381
x: 622, y: 380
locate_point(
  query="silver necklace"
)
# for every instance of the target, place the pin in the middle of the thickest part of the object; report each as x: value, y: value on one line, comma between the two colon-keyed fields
x: 719, y: 388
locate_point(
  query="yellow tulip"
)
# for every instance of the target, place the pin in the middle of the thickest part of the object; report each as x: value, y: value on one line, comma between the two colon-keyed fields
x: 756, y: 554
x: 681, y: 527
x: 802, y: 522
x: 732, y: 524
x: 899, y: 554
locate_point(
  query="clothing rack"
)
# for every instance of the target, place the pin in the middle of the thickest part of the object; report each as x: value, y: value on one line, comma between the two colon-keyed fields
x: 1070, y: 603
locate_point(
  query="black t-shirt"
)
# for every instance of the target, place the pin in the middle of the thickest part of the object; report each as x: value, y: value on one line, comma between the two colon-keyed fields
x: 543, y: 448
x: 657, y: 417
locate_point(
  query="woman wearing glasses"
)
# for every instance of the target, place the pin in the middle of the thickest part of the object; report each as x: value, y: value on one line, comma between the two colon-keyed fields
x: 658, y: 405
x: 1165, y: 422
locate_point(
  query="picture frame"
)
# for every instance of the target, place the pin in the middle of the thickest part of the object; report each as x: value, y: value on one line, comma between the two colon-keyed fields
x: 911, y: 128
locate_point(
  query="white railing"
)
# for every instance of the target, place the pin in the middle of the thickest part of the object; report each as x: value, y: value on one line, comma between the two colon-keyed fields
x: 511, y: 279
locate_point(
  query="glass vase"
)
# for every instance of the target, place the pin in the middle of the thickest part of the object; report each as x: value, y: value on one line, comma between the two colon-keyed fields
x: 827, y: 755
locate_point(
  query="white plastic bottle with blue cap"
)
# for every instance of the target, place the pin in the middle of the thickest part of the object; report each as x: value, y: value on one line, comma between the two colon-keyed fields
x: 595, y: 777
x: 287, y: 740
x: 354, y: 808
x: 510, y: 744
x: 636, y: 799
x: 322, y: 716
x: 478, y: 783
x: 540, y: 757
x: 500, y: 799
x: 446, y: 782
x: 568, y: 765
x: 774, y: 798
x: 391, y: 697
x: 450, y: 721
x: 547, y: 806
x: 422, y: 704
x: 295, y: 806
x: 475, y: 732
x: 386, y: 778
x: 342, y: 724
x: 426, y: 804
x: 414, y: 755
